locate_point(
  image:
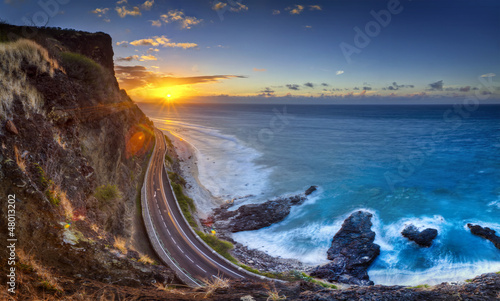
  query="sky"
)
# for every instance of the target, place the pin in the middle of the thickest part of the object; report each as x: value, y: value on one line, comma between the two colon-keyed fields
x: 295, y: 50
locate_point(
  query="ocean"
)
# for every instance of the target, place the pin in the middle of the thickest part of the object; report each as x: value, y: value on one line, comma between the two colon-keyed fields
x: 431, y: 166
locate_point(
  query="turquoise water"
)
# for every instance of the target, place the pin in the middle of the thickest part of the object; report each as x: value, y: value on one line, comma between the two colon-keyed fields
x: 405, y: 164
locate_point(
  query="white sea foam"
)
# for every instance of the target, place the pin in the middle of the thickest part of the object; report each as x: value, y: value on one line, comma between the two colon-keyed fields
x: 443, y: 270
x: 309, y: 244
x: 226, y: 166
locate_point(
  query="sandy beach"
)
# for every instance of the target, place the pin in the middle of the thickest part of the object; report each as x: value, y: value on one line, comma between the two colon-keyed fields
x: 203, y: 199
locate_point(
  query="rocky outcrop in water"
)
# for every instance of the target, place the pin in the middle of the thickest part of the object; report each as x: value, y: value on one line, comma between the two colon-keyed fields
x: 423, y: 238
x: 485, y: 233
x: 256, y: 216
x: 352, y: 252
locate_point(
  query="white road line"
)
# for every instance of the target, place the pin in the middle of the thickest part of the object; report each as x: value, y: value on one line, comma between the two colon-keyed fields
x: 189, y: 259
x: 185, y: 236
x: 180, y: 249
x: 201, y: 268
x: 168, y: 232
x: 173, y: 240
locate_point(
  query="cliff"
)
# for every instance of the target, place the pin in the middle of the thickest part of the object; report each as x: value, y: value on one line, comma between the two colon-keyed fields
x: 73, y: 148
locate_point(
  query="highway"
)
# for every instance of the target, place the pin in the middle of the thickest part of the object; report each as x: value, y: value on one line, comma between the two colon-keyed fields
x: 191, y: 259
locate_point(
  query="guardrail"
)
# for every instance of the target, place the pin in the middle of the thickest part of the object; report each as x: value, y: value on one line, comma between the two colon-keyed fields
x: 240, y: 269
x: 153, y: 237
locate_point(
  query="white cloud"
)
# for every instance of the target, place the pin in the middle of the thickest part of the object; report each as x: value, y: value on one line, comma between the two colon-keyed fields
x: 122, y: 43
x: 163, y: 41
x: 148, y: 4
x: 315, y: 7
x: 148, y: 58
x: 234, y: 6
x: 276, y: 12
x: 123, y: 11
x: 122, y: 1
x: 156, y: 23
x: 489, y: 75
x: 100, y: 12
x: 339, y: 72
x: 219, y: 6
x: 237, y: 7
x: 295, y: 10
x: 186, y: 22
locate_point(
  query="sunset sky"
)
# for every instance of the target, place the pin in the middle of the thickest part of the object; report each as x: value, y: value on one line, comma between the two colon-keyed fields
x: 289, y: 49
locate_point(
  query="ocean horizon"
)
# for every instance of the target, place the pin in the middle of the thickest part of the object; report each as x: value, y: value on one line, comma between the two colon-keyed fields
x: 421, y: 165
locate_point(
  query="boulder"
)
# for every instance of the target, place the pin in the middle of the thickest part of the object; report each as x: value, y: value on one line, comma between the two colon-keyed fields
x: 11, y: 127
x: 423, y: 238
x: 352, y: 252
x: 256, y: 216
x: 485, y: 233
x: 311, y: 190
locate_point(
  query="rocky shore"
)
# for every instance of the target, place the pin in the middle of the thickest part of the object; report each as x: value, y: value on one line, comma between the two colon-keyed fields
x: 352, y: 252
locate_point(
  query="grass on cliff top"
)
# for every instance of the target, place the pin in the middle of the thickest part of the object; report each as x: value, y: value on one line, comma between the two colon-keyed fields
x: 13, y: 81
x: 186, y: 203
x: 82, y: 68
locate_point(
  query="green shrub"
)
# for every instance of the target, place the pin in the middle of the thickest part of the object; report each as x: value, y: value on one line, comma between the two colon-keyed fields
x: 168, y: 159
x: 220, y: 246
x: 106, y: 193
x: 82, y: 68
x: 53, y: 197
x: 186, y: 203
x: 175, y: 177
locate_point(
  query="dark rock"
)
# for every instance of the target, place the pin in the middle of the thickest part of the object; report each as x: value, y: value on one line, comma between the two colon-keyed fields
x: 485, y: 233
x: 311, y: 190
x: 422, y: 238
x: 352, y: 252
x: 255, y: 216
x: 133, y: 254
x: 11, y: 127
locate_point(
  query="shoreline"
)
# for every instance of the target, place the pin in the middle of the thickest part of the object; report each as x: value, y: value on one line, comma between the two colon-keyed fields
x: 206, y: 202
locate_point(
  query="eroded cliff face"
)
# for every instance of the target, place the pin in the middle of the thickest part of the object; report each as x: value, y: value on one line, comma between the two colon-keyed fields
x: 73, y: 151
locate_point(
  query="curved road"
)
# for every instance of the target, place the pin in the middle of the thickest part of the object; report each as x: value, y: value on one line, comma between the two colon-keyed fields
x: 194, y: 260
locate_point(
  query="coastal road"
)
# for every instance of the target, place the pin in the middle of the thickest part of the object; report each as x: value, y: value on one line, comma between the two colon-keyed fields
x: 193, y: 260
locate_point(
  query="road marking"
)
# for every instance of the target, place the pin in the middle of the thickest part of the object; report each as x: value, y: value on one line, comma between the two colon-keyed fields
x: 180, y: 249
x: 189, y: 259
x: 201, y: 268
x: 185, y: 236
x: 155, y: 195
x: 173, y: 240
x: 168, y: 232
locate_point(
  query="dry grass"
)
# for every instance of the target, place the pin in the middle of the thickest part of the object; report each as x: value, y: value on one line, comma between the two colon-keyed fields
x: 170, y: 289
x: 120, y: 244
x: 274, y: 294
x: 211, y: 285
x: 45, y: 277
x: 13, y: 82
x: 19, y: 160
x: 65, y: 204
x: 146, y: 259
